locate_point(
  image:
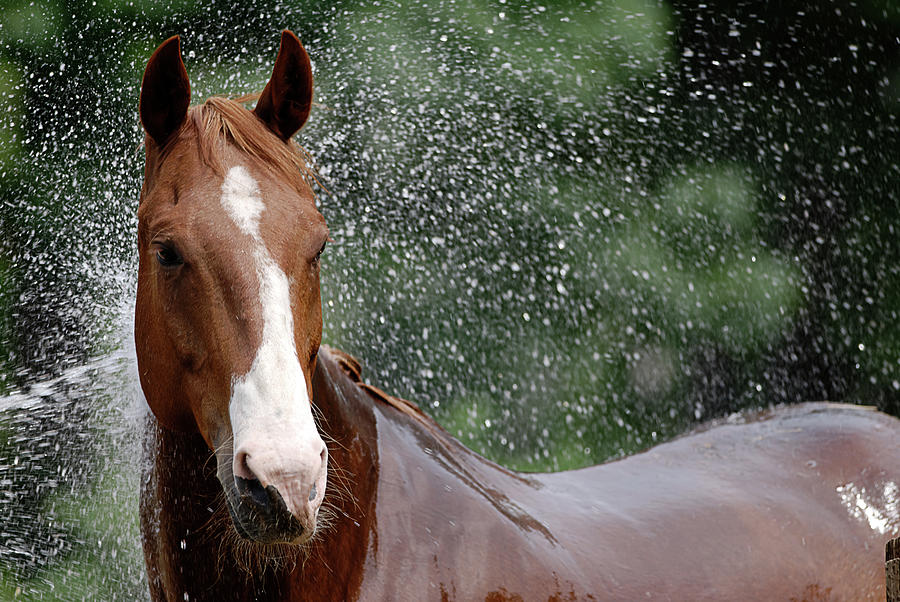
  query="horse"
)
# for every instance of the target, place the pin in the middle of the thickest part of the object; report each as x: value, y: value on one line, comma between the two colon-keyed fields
x: 274, y: 472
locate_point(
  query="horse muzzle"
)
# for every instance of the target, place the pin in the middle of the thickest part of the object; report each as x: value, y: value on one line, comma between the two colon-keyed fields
x: 260, y: 514
x: 270, y: 504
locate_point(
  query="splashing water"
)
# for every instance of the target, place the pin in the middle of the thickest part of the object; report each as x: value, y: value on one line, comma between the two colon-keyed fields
x: 69, y: 468
x: 568, y: 230
x: 879, y: 508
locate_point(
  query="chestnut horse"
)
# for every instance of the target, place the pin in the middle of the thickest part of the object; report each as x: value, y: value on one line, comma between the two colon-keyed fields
x: 243, y: 499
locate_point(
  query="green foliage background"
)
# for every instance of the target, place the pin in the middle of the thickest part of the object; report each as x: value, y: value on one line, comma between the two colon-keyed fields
x: 567, y: 229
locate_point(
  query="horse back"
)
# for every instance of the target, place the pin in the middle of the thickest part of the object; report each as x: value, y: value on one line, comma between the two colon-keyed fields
x: 791, y: 503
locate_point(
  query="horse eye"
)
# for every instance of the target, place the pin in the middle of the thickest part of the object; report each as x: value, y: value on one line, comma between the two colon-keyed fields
x: 322, y: 250
x: 168, y: 257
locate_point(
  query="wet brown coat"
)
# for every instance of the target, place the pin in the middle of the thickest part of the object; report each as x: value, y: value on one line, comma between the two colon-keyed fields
x: 738, y: 511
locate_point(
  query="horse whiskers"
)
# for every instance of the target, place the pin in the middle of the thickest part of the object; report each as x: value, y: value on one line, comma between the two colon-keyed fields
x: 325, y: 433
x: 229, y: 441
x: 254, y: 558
x: 339, y: 487
x: 340, y: 480
x: 320, y: 552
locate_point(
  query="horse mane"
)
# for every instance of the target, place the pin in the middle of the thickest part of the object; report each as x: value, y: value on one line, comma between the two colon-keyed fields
x: 353, y: 369
x: 456, y: 458
x: 221, y: 120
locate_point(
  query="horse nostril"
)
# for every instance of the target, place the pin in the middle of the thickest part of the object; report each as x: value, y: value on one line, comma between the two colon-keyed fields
x: 252, y: 490
x: 242, y: 466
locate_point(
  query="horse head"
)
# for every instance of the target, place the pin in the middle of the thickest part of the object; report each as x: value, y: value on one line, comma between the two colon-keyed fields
x: 228, y: 317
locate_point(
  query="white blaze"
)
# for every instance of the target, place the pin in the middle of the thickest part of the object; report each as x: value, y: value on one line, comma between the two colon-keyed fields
x: 271, y: 416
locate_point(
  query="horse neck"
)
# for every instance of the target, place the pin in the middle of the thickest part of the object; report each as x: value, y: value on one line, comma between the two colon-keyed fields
x: 381, y: 421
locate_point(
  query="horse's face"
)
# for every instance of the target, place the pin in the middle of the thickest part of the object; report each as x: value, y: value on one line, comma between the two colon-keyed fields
x: 228, y: 318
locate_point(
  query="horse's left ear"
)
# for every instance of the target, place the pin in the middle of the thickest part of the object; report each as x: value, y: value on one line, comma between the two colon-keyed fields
x: 285, y: 102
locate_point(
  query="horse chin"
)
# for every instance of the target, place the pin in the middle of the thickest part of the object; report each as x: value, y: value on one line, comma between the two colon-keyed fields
x: 267, y: 526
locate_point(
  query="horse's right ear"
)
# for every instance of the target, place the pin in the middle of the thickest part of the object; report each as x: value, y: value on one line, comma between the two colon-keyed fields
x: 165, y: 92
